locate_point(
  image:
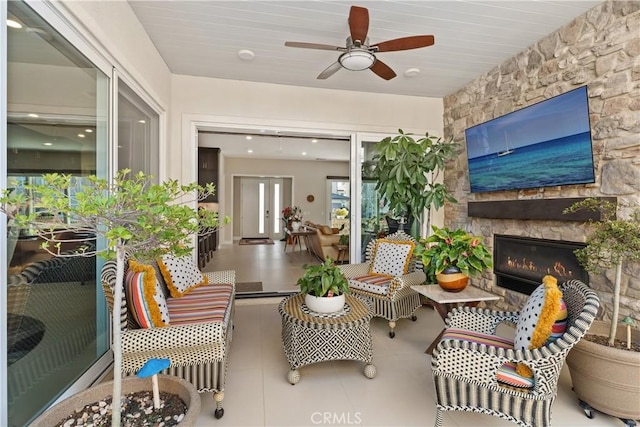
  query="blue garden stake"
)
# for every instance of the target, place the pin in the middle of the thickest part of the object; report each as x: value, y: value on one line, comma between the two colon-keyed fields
x: 151, y: 369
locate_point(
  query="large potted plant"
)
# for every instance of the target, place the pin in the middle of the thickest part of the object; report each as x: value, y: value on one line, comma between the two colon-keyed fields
x: 454, y: 255
x: 128, y: 216
x: 324, y: 286
x: 605, y: 374
x: 407, y: 172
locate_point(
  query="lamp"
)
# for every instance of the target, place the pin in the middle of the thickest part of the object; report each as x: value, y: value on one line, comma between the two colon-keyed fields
x: 357, y: 59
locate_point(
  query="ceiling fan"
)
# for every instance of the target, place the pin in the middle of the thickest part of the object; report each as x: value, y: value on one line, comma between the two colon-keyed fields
x: 358, y: 55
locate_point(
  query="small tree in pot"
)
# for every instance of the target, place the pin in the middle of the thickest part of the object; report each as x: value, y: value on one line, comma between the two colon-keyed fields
x: 133, y: 217
x: 607, y: 377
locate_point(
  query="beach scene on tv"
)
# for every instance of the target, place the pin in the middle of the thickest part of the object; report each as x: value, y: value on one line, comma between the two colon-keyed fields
x: 542, y: 145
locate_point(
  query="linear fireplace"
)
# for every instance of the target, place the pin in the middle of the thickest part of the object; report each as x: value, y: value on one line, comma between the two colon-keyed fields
x: 520, y: 263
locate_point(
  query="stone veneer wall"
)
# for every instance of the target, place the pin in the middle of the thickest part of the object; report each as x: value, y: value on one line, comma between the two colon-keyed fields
x: 600, y: 49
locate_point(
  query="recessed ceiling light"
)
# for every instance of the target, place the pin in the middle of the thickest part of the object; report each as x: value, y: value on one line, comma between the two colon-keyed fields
x: 249, y: 150
x: 412, y: 72
x: 314, y: 141
x: 248, y: 137
x: 13, y: 24
x: 88, y: 130
x: 34, y: 115
x: 142, y: 121
x: 47, y: 143
x: 81, y: 135
x: 304, y: 153
x: 246, y: 55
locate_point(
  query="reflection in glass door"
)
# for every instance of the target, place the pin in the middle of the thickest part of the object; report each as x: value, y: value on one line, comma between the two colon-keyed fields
x: 371, y: 210
x: 57, y: 104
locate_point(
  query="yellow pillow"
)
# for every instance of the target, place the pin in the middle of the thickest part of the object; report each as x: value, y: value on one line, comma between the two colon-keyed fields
x: 542, y: 317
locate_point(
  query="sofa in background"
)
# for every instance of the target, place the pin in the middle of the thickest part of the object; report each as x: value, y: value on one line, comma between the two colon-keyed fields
x: 322, y: 240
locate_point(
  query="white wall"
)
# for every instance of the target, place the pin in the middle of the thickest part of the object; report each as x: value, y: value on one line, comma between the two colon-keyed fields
x: 207, y: 99
x: 118, y: 31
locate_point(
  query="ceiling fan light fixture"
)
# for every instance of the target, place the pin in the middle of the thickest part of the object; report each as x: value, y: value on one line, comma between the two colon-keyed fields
x: 357, y: 59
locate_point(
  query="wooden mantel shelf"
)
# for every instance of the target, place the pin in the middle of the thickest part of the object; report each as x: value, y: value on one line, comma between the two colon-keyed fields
x: 533, y: 209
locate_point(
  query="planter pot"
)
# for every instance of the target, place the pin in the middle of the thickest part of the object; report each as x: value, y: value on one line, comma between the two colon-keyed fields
x: 607, y: 378
x: 167, y: 383
x: 324, y: 304
x: 295, y: 225
x: 452, y: 280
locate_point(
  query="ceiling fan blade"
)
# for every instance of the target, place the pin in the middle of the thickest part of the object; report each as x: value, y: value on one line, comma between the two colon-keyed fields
x: 313, y: 46
x: 405, y: 43
x: 329, y: 71
x: 382, y: 70
x: 359, y: 23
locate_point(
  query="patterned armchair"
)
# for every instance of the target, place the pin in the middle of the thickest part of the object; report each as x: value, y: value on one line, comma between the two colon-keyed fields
x: 470, y: 375
x: 386, y: 276
x: 197, y: 340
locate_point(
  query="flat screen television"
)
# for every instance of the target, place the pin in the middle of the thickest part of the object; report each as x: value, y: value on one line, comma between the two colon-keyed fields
x: 543, y: 145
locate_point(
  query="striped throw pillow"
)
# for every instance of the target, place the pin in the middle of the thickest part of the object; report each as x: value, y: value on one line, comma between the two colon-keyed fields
x: 145, y: 297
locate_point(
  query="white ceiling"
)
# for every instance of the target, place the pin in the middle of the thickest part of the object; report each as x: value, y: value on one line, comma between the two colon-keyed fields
x: 203, y: 38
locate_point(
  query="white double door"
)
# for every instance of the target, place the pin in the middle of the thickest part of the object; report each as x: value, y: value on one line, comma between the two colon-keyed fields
x: 262, y: 204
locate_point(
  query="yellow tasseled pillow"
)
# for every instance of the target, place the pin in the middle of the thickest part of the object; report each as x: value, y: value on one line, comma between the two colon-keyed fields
x: 543, y: 318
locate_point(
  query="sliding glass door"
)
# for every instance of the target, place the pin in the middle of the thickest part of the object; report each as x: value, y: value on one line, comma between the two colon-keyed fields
x: 57, y: 121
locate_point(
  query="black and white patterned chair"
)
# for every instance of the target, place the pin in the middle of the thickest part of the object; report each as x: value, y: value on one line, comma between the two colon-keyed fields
x: 386, y: 276
x: 466, y: 372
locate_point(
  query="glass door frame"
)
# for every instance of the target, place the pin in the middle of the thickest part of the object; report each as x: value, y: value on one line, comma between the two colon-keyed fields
x: 357, y: 157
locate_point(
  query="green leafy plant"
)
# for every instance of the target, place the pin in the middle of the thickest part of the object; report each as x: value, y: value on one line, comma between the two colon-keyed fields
x: 323, y: 280
x: 407, y: 171
x: 454, y: 248
x: 612, y: 242
x: 344, y: 239
x: 131, y: 214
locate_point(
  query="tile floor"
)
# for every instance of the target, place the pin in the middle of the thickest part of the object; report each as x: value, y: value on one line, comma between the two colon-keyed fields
x: 277, y: 269
x: 336, y: 393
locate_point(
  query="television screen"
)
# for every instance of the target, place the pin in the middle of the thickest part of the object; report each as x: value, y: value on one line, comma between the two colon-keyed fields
x: 543, y: 145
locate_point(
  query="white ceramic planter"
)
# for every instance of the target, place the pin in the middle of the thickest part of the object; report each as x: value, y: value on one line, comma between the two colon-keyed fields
x: 324, y: 304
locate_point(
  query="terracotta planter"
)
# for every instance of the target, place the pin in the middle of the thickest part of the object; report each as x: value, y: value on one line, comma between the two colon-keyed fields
x: 324, y: 304
x: 452, y: 280
x: 606, y: 378
x: 167, y: 383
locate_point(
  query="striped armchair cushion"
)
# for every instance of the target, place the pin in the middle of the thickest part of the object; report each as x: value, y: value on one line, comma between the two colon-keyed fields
x: 374, y: 283
x: 506, y: 373
x: 206, y: 303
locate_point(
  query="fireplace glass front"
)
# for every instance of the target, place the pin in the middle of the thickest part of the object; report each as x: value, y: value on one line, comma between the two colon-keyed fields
x: 520, y: 263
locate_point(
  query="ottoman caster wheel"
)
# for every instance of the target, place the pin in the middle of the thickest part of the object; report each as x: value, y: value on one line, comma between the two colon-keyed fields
x: 370, y: 370
x: 218, y: 413
x: 293, y: 376
x: 392, y: 334
x: 414, y: 317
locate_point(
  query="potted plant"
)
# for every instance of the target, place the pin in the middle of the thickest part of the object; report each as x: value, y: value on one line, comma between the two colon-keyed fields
x: 407, y: 172
x: 605, y: 374
x: 454, y: 255
x: 130, y: 215
x: 324, y: 286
